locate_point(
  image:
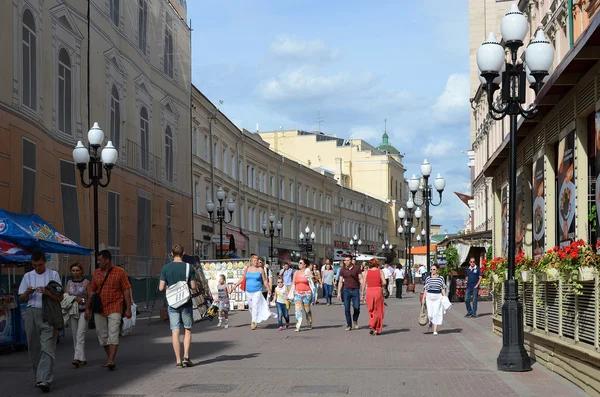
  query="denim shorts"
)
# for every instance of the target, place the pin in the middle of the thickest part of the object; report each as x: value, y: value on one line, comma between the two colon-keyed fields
x: 181, y: 314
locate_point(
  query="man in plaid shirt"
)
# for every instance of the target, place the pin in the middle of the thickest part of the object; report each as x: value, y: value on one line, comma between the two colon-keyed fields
x: 116, y: 289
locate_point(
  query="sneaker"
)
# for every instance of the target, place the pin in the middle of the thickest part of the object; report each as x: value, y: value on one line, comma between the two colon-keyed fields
x: 226, y: 325
x: 348, y: 328
x: 281, y: 328
x: 435, y: 333
x: 356, y: 325
x: 187, y: 363
x: 219, y: 325
x: 43, y: 386
x: 297, y: 329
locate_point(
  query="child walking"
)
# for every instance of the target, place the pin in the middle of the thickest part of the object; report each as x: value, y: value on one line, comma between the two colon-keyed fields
x: 223, y: 300
x: 282, y: 304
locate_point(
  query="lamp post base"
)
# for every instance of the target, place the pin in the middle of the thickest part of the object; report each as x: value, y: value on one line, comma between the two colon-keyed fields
x: 513, y: 357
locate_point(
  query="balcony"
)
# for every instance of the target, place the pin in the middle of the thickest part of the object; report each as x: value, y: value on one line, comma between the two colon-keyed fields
x: 142, y: 161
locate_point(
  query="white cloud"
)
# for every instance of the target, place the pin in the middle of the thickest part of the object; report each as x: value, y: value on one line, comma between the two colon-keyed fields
x: 366, y: 133
x: 292, y: 48
x: 452, y: 107
x: 439, y: 148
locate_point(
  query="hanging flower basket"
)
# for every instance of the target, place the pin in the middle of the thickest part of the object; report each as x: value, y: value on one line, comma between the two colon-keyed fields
x: 526, y: 275
x: 552, y: 274
x: 587, y: 273
x: 495, y: 278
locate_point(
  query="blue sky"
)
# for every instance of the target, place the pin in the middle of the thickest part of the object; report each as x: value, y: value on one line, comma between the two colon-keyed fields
x: 278, y: 63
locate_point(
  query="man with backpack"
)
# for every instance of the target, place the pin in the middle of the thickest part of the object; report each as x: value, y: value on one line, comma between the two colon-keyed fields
x: 180, y: 278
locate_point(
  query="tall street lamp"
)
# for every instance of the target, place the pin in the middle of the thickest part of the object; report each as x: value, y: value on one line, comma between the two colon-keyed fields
x: 513, y: 75
x: 88, y: 157
x: 407, y: 218
x: 427, y: 198
x: 388, y: 251
x: 305, y: 243
x: 220, y: 216
x: 355, y: 244
x: 271, y: 234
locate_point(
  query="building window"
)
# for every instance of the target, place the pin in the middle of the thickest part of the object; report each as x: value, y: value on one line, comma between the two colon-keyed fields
x: 196, y: 197
x: 114, y: 12
x: 314, y: 200
x: 64, y: 92
x: 144, y: 228
x: 224, y: 158
x: 144, y: 138
x: 169, y: 232
x: 233, y: 166
x: 307, y: 198
x: 195, y: 141
x: 272, y: 185
x: 216, y: 156
x: 240, y: 171
x: 115, y: 117
x: 292, y: 192
x: 114, y: 223
x: 281, y: 190
x: 70, y: 207
x: 142, y: 24
x: 206, y: 148
x: 169, y: 154
x: 29, y: 61
x: 29, y: 174
x: 168, y: 47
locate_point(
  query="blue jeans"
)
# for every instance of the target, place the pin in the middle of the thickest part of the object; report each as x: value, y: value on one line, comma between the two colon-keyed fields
x: 472, y: 294
x: 351, y: 295
x: 181, y: 315
x: 327, y: 291
x: 282, y: 313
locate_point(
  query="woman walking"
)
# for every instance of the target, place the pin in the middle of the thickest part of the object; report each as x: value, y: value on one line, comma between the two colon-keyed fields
x: 316, y: 277
x: 375, y: 282
x: 327, y: 277
x: 302, y: 294
x: 434, y: 290
x: 257, y: 304
x: 78, y: 287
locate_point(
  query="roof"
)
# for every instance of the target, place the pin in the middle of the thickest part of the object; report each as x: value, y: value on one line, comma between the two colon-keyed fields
x: 422, y: 250
x: 388, y: 148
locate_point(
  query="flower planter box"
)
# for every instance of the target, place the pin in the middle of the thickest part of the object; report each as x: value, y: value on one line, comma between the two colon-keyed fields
x: 587, y: 273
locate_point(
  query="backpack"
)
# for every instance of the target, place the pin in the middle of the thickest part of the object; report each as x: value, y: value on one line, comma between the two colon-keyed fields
x: 178, y: 294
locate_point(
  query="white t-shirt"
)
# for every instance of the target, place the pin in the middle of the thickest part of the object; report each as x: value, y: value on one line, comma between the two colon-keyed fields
x: 399, y: 273
x: 422, y: 270
x: 32, y: 279
x: 387, y: 272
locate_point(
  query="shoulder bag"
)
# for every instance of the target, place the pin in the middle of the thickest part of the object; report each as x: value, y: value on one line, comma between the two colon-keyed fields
x: 96, y: 302
x: 178, y: 294
x: 423, y: 318
x: 243, y: 284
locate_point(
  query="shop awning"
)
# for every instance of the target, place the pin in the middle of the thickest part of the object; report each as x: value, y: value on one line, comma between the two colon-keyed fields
x: 576, y: 63
x: 422, y: 250
x: 241, y: 240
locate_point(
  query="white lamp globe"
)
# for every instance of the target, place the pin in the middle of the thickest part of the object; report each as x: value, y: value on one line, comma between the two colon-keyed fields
x: 514, y: 25
x: 382, y: 246
x: 351, y: 242
x: 355, y: 237
x: 312, y: 235
x: 359, y: 242
x: 307, y: 230
x: 230, y: 206
x: 279, y: 225
x: 426, y: 168
x: 423, y: 232
x: 210, y: 206
x: 497, y: 80
x: 272, y: 217
x: 531, y: 79
x: 220, y: 194
x: 301, y: 236
x: 80, y: 154
x: 539, y: 54
x: 413, y: 183
x: 418, y: 213
x: 401, y: 213
x: 440, y: 183
x: 410, y: 204
x: 264, y: 226
x: 418, y: 237
x: 95, y: 135
x: 413, y: 230
x: 490, y: 55
x: 400, y: 230
x: 109, y: 154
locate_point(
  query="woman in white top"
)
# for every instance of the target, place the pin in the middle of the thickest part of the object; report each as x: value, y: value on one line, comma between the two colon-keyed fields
x: 434, y: 290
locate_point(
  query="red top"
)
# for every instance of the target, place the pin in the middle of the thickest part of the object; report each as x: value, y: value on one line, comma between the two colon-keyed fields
x: 374, y: 278
x: 351, y: 277
x: 112, y: 293
x: 302, y: 282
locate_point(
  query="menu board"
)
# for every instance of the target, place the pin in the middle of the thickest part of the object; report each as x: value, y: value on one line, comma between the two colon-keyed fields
x: 539, y: 208
x: 597, y: 140
x: 566, y: 190
x: 505, y: 221
x: 520, y: 229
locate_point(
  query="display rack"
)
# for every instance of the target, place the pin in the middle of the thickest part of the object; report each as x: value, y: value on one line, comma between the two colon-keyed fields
x: 233, y: 269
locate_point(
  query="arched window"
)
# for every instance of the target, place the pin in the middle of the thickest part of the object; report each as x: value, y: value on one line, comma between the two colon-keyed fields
x: 114, y: 11
x: 64, y: 92
x: 144, y: 138
x: 142, y: 24
x: 115, y: 117
x: 169, y: 154
x: 29, y: 61
x: 168, y: 47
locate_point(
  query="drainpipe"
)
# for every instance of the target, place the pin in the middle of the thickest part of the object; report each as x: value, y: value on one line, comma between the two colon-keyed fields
x: 279, y: 182
x: 297, y: 199
x: 570, y: 16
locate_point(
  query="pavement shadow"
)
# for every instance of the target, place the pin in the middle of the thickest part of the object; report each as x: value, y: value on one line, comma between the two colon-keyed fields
x: 395, y: 331
x: 451, y: 331
x: 328, y: 326
x: 484, y: 315
x: 227, y: 357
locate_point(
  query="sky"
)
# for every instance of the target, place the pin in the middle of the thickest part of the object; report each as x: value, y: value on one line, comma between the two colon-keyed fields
x: 355, y: 63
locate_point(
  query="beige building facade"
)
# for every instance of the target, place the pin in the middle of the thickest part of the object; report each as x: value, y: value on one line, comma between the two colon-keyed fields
x: 134, y: 81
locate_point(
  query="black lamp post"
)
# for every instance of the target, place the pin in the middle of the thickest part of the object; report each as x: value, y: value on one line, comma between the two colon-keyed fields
x: 271, y: 234
x: 406, y: 219
x: 388, y: 250
x: 355, y: 244
x: 513, y: 76
x: 426, y: 199
x: 305, y: 243
x: 92, y: 160
x: 220, y: 217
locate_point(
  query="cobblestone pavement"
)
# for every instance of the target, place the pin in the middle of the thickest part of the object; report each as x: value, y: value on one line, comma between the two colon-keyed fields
x: 327, y: 361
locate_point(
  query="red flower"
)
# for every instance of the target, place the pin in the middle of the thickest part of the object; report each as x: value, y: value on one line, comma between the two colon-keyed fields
x: 494, y: 266
x: 555, y: 248
x: 574, y: 255
x: 562, y: 255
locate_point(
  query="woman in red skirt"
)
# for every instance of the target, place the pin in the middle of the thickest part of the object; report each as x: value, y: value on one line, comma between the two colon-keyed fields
x: 375, y: 280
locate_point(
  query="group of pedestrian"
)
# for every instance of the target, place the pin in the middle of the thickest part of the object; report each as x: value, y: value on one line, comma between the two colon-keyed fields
x: 107, y: 297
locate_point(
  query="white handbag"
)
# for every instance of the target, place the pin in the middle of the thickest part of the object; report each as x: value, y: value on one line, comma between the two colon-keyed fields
x: 178, y: 294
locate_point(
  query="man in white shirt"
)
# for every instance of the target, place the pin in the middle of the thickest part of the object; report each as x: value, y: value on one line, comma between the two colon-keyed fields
x: 399, y: 277
x: 422, y: 272
x: 387, y: 273
x: 41, y: 336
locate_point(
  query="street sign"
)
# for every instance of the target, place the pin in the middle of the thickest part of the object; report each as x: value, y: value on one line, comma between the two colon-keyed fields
x: 217, y: 239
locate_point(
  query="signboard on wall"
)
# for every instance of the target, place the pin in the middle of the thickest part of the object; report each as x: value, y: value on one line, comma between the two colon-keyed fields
x: 539, y: 208
x: 566, y: 190
x: 520, y: 228
x: 505, y: 221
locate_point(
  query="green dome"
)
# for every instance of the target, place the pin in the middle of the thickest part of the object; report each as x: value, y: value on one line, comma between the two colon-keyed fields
x: 385, y: 145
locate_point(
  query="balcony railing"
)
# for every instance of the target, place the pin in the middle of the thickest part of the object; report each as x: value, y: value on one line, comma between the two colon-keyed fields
x: 142, y: 161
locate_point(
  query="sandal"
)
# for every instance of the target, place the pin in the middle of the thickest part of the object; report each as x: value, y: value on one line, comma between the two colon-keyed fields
x: 105, y: 364
x: 111, y: 365
x: 179, y: 366
x: 76, y: 363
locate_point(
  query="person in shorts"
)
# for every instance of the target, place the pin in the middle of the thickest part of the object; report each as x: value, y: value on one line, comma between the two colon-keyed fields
x: 171, y: 274
x: 223, y: 302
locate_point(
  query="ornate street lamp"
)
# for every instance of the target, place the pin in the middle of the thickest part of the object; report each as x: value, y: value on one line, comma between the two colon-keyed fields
x: 513, y: 76
x: 271, y: 234
x: 426, y: 199
x: 388, y: 251
x: 305, y: 243
x: 88, y: 157
x: 409, y: 218
x: 220, y: 216
x: 355, y: 244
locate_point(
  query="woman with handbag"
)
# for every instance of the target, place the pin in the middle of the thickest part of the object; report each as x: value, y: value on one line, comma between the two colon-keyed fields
x: 302, y: 288
x: 374, y: 298
x: 434, y: 290
x: 316, y: 281
x: 254, y: 279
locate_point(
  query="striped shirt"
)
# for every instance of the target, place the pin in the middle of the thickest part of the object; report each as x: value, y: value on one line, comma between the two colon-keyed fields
x: 435, y: 284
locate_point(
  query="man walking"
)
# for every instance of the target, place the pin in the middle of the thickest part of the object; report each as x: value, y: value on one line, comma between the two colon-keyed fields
x: 171, y: 274
x: 399, y: 277
x: 351, y: 280
x: 473, y: 281
x: 112, y: 285
x: 41, y: 333
x: 387, y: 273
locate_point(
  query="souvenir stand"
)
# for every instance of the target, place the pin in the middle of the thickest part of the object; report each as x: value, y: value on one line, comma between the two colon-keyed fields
x: 20, y: 235
x: 233, y: 269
